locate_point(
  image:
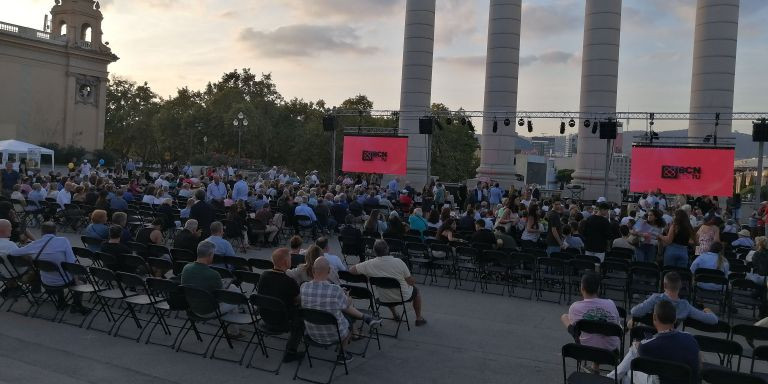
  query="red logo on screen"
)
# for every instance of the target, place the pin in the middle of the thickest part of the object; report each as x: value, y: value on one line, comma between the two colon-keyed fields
x: 678, y: 172
x: 372, y: 155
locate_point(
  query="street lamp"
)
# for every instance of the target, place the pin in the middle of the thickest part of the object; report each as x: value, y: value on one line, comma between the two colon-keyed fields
x: 240, y: 123
x: 205, y: 145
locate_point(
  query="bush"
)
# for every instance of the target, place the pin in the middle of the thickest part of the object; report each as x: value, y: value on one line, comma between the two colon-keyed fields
x: 64, y: 155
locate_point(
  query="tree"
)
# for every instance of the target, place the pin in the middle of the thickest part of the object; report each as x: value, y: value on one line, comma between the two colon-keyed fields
x: 130, y: 111
x: 454, y: 149
x: 564, y: 176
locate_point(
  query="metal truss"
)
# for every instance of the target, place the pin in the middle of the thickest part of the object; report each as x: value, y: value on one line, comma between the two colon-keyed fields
x: 563, y: 115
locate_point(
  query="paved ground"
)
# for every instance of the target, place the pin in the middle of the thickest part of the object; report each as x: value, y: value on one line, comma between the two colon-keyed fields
x: 470, y: 338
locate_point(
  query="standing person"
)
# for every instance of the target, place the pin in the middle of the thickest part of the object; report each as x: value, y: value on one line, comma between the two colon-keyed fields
x: 10, y: 177
x: 240, y: 189
x: 477, y: 194
x: 555, y: 232
x: 596, y: 232
x: 203, y: 212
x: 707, y: 234
x: 439, y: 192
x: 216, y: 192
x: 649, y: 231
x: 495, y: 195
x: 679, y: 236
x: 85, y: 169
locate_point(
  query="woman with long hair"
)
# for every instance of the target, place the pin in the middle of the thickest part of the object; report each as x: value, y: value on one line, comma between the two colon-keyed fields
x: 433, y: 221
x: 447, y: 230
x: 649, y: 231
x: 532, y: 230
x: 707, y: 234
x: 712, y: 259
x: 375, y: 223
x: 679, y: 236
x: 303, y: 273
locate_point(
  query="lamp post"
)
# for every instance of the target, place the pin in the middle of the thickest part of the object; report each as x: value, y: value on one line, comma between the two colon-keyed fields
x: 205, y: 145
x: 240, y: 123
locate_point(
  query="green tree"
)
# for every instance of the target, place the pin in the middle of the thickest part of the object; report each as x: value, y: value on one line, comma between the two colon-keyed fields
x: 130, y: 112
x: 564, y: 176
x: 454, y: 149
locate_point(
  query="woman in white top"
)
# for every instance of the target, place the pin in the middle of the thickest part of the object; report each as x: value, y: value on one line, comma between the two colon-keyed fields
x: 649, y: 231
x: 532, y: 230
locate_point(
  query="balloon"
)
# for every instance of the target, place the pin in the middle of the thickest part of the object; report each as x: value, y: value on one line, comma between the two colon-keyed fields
x: 101, y: 162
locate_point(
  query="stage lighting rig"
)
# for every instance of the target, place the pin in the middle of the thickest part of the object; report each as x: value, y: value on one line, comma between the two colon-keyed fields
x: 530, y: 126
x: 520, y: 122
x: 571, y: 123
x: 495, y: 125
x: 595, y: 127
x: 449, y: 121
x: 507, y: 122
x: 562, y: 127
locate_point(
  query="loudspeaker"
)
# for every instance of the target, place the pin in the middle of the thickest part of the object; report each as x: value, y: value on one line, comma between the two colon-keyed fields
x: 608, y: 130
x: 329, y: 123
x: 760, y: 131
x: 426, y: 125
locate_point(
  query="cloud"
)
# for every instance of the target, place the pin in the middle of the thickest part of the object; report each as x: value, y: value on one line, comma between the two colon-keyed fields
x: 462, y: 61
x: 147, y: 3
x: 346, y: 10
x: 552, y: 19
x: 550, y: 57
x: 303, y: 40
x: 455, y: 19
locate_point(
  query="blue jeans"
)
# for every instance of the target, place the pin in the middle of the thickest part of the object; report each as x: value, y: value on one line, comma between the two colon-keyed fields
x: 552, y: 248
x: 646, y: 252
x: 676, y: 255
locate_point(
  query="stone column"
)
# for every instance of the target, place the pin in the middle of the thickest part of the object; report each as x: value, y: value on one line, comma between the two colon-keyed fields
x: 599, y: 79
x: 416, y: 86
x: 497, y: 150
x: 714, y: 64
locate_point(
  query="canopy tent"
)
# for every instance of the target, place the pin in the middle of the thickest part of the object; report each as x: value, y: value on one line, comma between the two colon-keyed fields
x: 17, y: 148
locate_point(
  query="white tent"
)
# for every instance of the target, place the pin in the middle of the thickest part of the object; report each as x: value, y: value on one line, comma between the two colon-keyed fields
x: 18, y: 148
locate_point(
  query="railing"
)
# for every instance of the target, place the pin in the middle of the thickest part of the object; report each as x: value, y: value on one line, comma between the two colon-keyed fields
x: 29, y: 33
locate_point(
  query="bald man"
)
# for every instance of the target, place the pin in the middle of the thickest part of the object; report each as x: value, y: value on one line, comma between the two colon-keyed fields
x: 320, y: 294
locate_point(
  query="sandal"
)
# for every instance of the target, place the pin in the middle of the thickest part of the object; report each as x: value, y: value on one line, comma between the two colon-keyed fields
x: 420, y: 322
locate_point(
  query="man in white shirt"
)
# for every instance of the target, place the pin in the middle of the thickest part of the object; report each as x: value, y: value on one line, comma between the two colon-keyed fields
x: 64, y: 196
x: 385, y: 265
x: 6, y: 246
x: 85, y: 169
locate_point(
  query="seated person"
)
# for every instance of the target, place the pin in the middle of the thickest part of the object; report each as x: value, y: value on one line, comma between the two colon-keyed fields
x: 623, y: 241
x: 592, y: 307
x: 672, y: 285
x: 508, y: 242
x: 571, y: 241
x: 277, y: 284
x: 297, y: 254
x: 668, y: 344
x: 321, y: 295
x: 484, y: 236
x: 98, y: 228
x: 189, y: 237
x: 416, y: 221
x: 335, y: 261
x: 385, y: 265
x: 303, y: 272
x: 113, y: 246
x: 152, y: 234
x: 712, y: 259
x: 223, y: 247
x: 744, y: 240
x: 199, y: 275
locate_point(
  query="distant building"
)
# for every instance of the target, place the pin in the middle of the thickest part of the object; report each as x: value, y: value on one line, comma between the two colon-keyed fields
x: 570, y: 144
x: 621, y: 165
x: 549, y: 145
x: 54, y: 81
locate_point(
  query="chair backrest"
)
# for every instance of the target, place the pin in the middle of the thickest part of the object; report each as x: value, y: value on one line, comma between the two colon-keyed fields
x: 725, y: 349
x: 106, y: 259
x: 444, y: 248
x: 235, y: 262
x: 598, y: 327
x: 74, y: 269
x: 19, y: 261
x: 590, y: 258
x: 103, y: 275
x: 712, y: 279
x: 358, y: 293
x: 50, y: 267
x: 230, y: 297
x: 709, y: 271
x: 578, y: 267
x: 385, y: 282
x: 85, y: 253
x: 248, y: 277
x: 720, y: 327
x: 223, y: 272
x: 130, y: 280
x: 748, y: 332
x: 204, y: 301
x: 267, y: 303
x: 260, y: 264
x: 722, y: 376
x: 159, y: 264
x: 349, y: 277
x: 135, y: 263
x: 179, y: 254
x: 416, y: 249
x: 467, y: 252
x: 588, y: 353
x: 317, y: 317
x: 665, y: 370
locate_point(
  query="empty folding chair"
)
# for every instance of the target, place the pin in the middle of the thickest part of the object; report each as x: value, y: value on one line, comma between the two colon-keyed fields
x: 494, y: 267
x: 18, y: 268
x: 204, y: 302
x: 577, y: 268
x: 321, y: 318
x: 759, y: 354
x: 260, y: 264
x: 418, y: 257
x: 745, y: 294
x: 173, y: 300
x: 721, y: 327
x: 136, y: 295
x: 720, y: 376
x: 363, y: 294
x: 615, y: 278
x: 442, y: 258
x: 247, y: 277
x: 522, y: 274
x: 105, y: 282
x: 724, y: 349
x: 551, y: 277
x: 643, y: 280
x: 716, y: 291
x: 179, y: 254
x: 466, y: 265
x: 85, y: 254
x: 247, y: 318
x: 84, y: 284
x: 750, y: 334
x: 273, y: 309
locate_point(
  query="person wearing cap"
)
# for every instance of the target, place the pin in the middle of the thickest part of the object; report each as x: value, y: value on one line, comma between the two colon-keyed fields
x: 405, y: 200
x: 596, y: 231
x: 744, y: 240
x: 85, y: 169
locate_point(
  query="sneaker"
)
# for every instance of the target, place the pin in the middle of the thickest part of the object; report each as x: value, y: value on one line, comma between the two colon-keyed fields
x: 420, y: 322
x: 292, y: 356
x: 347, y: 358
x: 373, y: 322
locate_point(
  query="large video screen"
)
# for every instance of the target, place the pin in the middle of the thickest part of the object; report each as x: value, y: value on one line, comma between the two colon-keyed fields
x: 375, y: 154
x: 692, y: 171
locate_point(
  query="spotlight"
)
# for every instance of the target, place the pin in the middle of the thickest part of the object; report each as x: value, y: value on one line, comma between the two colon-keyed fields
x: 653, y: 136
x: 463, y: 121
x: 707, y: 138
x: 521, y: 122
x: 571, y: 123
x: 507, y: 122
x: 530, y: 126
x: 595, y: 127
x: 587, y: 123
x: 717, y: 119
x: 495, y: 126
x: 449, y: 121
x: 562, y: 127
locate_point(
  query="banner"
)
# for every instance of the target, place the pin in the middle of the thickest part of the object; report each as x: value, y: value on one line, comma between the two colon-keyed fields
x: 375, y: 154
x: 682, y: 170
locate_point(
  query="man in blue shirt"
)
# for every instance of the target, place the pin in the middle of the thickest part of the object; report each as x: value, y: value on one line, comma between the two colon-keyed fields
x: 303, y: 209
x: 118, y: 203
x: 393, y: 188
x: 216, y: 192
x: 495, y: 195
x: 672, y: 285
x: 223, y: 247
x: 56, y: 250
x: 240, y: 189
x: 9, y: 178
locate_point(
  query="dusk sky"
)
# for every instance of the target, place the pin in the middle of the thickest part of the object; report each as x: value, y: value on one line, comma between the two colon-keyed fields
x: 335, y: 49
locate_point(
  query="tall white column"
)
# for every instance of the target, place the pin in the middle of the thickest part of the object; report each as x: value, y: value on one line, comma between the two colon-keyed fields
x: 416, y: 86
x: 599, y: 81
x: 714, y: 64
x: 497, y: 150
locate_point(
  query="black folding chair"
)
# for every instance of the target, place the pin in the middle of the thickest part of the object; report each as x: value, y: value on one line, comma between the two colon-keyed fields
x: 277, y: 308
x: 615, y: 277
x: 643, y: 280
x: 178, y: 254
x: 417, y: 255
x: 136, y: 295
x: 105, y: 283
x: 260, y: 264
x: 173, y: 301
x: 745, y: 294
x: 723, y: 348
x: 233, y: 318
x: 247, y: 277
x: 19, y: 267
x: 665, y: 370
x: 522, y: 274
x: 603, y: 328
x: 85, y: 253
x: 721, y: 327
x: 466, y: 263
x: 581, y: 353
x: 721, y: 376
x: 759, y: 354
x: 441, y: 257
x: 551, y: 277
x: 363, y: 294
x: 55, y: 294
x: 577, y: 268
x: 494, y: 270
x: 716, y: 296
x: 750, y: 333
x: 205, y: 302
x: 351, y: 247
x: 392, y: 284
x: 84, y: 285
x: 321, y: 318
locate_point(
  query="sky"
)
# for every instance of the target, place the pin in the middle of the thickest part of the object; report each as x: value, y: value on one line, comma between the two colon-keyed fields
x: 336, y: 49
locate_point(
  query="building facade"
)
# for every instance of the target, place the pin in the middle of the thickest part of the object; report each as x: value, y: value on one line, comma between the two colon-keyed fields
x: 55, y: 80
x: 621, y: 165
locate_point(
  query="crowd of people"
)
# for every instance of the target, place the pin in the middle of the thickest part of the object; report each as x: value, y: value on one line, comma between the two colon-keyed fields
x: 204, y: 212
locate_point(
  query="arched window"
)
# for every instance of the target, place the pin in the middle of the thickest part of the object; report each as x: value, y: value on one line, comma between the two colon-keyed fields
x: 63, y: 28
x: 85, y: 32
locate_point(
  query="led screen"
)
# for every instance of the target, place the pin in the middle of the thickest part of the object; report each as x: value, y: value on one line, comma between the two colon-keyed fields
x: 692, y: 171
x: 375, y: 154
